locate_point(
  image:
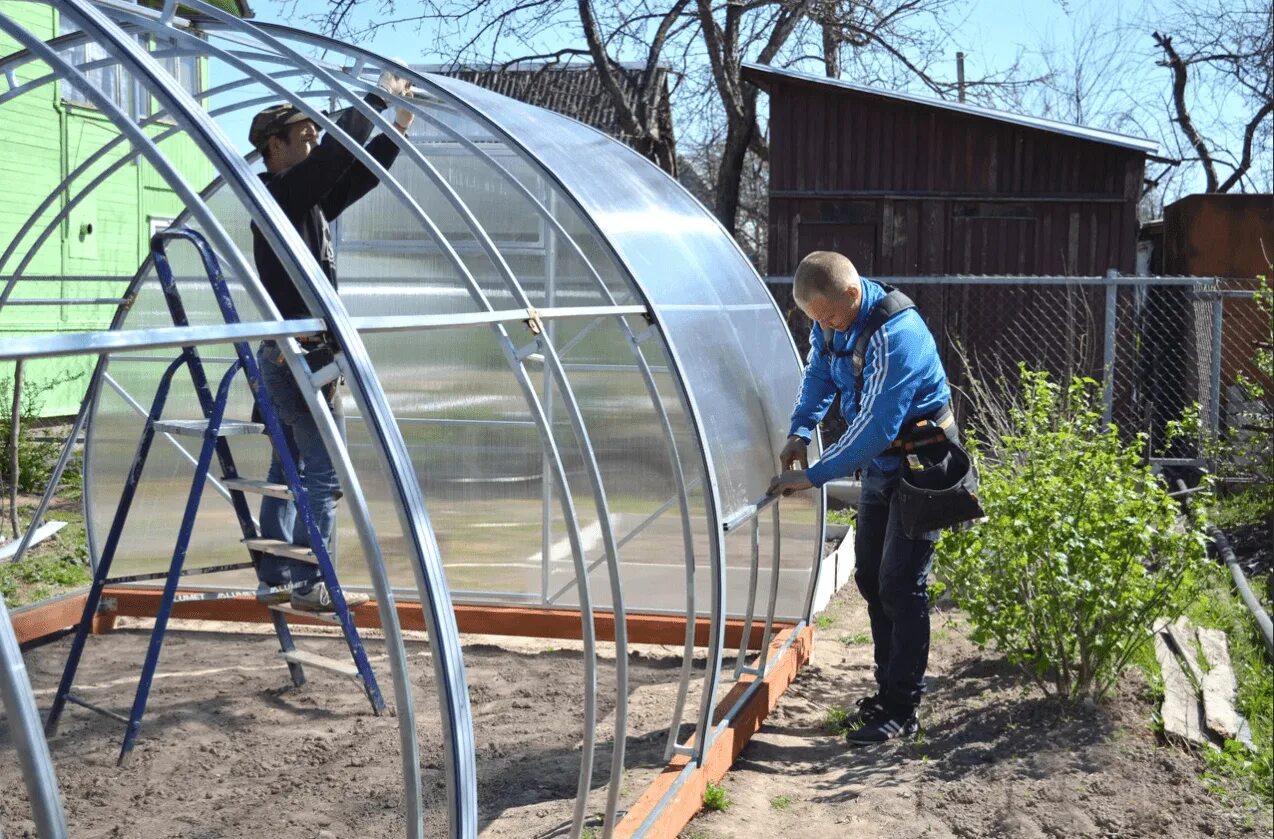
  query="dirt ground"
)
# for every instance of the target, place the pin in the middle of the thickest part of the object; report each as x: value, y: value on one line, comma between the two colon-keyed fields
x: 996, y: 759
x: 229, y: 748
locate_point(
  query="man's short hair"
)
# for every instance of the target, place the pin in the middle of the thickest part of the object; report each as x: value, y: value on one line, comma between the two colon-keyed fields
x: 823, y: 274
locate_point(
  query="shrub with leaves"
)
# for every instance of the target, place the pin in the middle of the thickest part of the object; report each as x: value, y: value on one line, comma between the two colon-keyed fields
x: 1082, y: 548
x: 35, y: 459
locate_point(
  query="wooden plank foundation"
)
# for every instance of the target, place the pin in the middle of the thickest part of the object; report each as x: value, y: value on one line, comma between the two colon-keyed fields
x: 664, y: 808
x: 34, y: 622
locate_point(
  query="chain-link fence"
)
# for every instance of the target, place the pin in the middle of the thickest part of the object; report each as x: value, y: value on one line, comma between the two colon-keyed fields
x: 1156, y: 345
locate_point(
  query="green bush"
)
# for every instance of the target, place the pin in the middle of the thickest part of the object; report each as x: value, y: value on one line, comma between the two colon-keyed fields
x: 35, y: 459
x: 1082, y: 548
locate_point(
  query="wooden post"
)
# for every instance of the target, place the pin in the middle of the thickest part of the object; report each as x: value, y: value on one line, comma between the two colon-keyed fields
x: 15, y: 420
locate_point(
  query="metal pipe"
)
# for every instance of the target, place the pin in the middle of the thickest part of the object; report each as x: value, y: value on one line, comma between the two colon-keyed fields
x: 753, y: 569
x: 303, y: 270
x: 28, y: 733
x: 1250, y: 600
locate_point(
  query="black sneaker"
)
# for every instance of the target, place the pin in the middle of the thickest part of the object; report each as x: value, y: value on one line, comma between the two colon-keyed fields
x: 883, y: 728
x: 869, y: 707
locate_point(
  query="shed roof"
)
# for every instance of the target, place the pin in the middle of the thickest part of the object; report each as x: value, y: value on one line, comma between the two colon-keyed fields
x: 762, y: 75
x: 574, y: 91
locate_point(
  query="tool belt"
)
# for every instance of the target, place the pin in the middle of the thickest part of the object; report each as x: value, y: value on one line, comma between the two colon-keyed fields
x: 938, y: 483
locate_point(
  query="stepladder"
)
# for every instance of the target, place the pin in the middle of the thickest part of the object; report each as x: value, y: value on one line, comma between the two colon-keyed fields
x: 214, y: 433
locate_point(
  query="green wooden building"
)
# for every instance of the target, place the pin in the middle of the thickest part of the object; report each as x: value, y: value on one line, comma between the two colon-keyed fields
x: 91, y: 254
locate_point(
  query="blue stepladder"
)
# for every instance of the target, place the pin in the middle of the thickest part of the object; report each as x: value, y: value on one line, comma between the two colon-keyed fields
x: 214, y: 430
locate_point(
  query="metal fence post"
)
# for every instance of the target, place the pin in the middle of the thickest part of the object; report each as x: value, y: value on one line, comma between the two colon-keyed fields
x: 1108, y: 355
x: 1214, y: 386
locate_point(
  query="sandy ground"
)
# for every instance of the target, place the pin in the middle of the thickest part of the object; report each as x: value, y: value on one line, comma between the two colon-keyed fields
x: 230, y: 749
x: 996, y: 759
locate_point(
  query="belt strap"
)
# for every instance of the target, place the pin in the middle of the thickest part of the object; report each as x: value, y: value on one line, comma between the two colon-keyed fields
x: 932, y: 429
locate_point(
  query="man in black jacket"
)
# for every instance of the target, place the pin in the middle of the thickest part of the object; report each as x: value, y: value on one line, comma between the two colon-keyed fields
x: 313, y: 182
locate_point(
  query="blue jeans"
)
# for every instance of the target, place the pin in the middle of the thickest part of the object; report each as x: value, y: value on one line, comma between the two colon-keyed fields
x: 892, y: 573
x: 279, y: 519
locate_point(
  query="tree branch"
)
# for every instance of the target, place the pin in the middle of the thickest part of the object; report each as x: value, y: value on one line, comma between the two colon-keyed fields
x: 1179, y: 78
x: 1245, y: 162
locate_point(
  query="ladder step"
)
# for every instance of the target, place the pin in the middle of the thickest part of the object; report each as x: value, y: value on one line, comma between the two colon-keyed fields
x: 286, y: 608
x: 309, y: 659
x: 258, y: 487
x: 97, y: 709
x: 277, y: 547
x: 197, y: 427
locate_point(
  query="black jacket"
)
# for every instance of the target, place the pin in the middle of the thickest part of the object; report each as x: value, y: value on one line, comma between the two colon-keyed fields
x: 311, y: 194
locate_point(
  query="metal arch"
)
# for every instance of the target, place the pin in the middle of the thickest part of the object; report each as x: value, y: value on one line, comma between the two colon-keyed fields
x: 105, y: 149
x: 716, y: 546
x: 652, y: 388
x: 713, y: 507
x: 476, y: 292
x: 303, y: 271
x: 28, y: 734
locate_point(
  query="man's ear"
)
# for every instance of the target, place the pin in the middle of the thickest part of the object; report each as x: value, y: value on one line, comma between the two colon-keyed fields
x: 271, y: 147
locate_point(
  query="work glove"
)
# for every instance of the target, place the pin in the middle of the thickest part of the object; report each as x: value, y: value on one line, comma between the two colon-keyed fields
x: 796, y: 451
x: 391, y: 82
x: 403, y: 119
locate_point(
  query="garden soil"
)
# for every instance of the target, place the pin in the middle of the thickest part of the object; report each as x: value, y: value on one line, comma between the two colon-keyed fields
x: 996, y: 759
x: 229, y: 748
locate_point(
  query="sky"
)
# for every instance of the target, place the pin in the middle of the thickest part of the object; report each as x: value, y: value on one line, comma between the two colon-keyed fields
x: 1125, y: 89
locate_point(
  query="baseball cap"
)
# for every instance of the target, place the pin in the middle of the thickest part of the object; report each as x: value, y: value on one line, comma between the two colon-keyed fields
x: 271, y: 121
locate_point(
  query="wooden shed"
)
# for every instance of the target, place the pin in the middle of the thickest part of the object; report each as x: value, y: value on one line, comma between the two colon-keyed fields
x: 906, y: 185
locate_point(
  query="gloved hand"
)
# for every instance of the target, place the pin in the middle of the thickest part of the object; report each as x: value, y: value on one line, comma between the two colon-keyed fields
x: 403, y: 119
x: 796, y: 451
x: 391, y: 82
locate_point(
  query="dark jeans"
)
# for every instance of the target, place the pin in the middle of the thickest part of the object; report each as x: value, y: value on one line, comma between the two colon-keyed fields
x: 892, y: 572
x: 279, y: 519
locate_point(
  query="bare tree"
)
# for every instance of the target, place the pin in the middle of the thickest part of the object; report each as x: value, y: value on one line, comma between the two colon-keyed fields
x: 706, y: 41
x: 1220, y: 56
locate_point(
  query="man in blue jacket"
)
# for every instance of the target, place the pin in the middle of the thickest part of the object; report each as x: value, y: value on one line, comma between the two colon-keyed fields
x: 902, y: 382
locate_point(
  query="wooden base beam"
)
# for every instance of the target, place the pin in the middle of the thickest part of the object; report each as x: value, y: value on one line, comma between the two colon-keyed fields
x: 34, y: 622
x: 665, y: 808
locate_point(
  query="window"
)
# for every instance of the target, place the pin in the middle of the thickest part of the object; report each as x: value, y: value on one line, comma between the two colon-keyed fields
x: 131, y: 97
x: 109, y: 78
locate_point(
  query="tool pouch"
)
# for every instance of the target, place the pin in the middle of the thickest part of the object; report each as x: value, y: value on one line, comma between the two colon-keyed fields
x: 941, y: 493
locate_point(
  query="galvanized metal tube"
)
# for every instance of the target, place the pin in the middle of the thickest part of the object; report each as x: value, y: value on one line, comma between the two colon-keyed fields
x: 28, y: 733
x: 285, y: 239
x: 774, y: 596
x: 753, y: 567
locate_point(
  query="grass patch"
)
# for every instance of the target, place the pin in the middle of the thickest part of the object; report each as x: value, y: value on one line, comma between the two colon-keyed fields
x: 715, y: 798
x: 836, y: 721
x: 824, y: 621
x: 781, y: 802
x: 1251, y: 770
x: 856, y: 639
x: 845, y: 516
x: 53, y: 566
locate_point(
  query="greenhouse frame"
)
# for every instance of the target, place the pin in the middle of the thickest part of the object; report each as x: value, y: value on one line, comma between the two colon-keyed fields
x: 566, y: 389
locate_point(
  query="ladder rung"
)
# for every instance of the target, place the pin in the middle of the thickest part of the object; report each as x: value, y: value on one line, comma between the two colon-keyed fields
x: 197, y: 427
x: 679, y: 749
x: 259, y: 487
x: 277, y: 547
x: 310, y: 659
x: 286, y: 608
x: 97, y: 709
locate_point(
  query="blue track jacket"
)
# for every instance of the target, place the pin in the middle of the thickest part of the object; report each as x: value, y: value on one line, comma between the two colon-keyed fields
x: 903, y: 380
